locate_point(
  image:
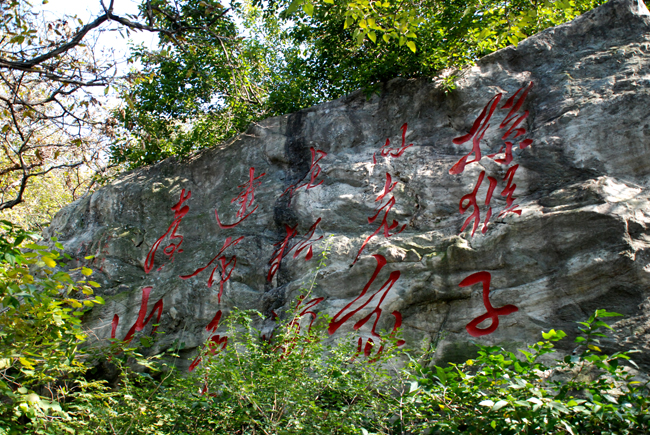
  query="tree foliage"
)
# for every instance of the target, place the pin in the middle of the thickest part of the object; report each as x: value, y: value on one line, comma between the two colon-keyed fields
x: 289, y: 55
x: 361, y: 43
x: 50, y: 74
x: 191, y: 93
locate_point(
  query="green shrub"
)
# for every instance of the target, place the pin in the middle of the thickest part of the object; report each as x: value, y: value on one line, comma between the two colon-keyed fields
x: 588, y: 392
x: 297, y: 382
x: 40, y: 333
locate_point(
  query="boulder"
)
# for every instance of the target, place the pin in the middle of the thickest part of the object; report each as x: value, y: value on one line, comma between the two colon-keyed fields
x: 517, y: 202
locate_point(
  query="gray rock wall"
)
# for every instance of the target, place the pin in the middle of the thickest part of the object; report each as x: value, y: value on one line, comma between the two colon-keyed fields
x: 574, y: 236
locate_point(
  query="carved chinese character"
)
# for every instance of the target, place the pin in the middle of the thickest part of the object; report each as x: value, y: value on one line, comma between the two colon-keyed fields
x: 314, y: 172
x: 386, y: 151
x: 282, y: 248
x: 278, y: 254
x: 244, y: 199
x: 492, y: 313
x: 347, y: 312
x: 180, y: 211
x: 472, y: 202
x: 476, y: 133
x: 514, y: 103
x: 224, y: 273
x: 141, y: 322
x: 508, y: 191
x: 386, y: 208
x: 213, y: 343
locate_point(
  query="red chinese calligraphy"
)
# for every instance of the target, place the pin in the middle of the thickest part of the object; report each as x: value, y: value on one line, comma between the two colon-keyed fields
x: 282, y: 248
x: 388, y: 187
x: 224, y: 273
x: 314, y: 172
x: 347, y: 312
x: 370, y: 343
x: 215, y: 343
x: 514, y: 103
x: 244, y: 199
x: 475, y: 134
x: 278, y: 254
x: 508, y: 191
x: 492, y: 313
x: 305, y: 310
x: 141, y: 322
x: 393, y: 152
x: 307, y: 242
x: 294, y: 325
x: 472, y: 202
x: 180, y: 211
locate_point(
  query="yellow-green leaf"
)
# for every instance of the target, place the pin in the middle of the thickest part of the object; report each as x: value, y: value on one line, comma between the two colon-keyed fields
x: 593, y: 347
x: 86, y: 271
x: 386, y: 37
x: 411, y: 45
x: 48, y: 261
x: 308, y: 7
x: 25, y: 362
x: 292, y: 7
x: 372, y: 36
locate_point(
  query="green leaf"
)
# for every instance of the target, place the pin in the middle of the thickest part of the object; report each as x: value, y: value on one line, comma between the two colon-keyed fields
x: 293, y: 7
x: 605, y: 313
x: 372, y: 36
x: 308, y: 7
x: 487, y: 402
x: 411, y: 45
x: 441, y: 374
x: 500, y: 404
x: 48, y: 261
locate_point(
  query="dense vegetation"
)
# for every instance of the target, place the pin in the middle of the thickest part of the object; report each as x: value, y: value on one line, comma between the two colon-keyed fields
x: 297, y: 382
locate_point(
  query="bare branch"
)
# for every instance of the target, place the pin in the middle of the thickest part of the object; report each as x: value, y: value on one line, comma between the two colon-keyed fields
x: 23, y: 183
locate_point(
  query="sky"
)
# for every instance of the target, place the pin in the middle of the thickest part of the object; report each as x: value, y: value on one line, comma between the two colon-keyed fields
x: 109, y: 39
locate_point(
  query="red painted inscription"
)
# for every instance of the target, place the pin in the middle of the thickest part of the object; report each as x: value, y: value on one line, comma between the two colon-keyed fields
x: 492, y: 313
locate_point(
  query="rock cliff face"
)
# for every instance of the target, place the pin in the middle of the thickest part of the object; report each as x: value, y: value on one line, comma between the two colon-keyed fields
x: 544, y: 148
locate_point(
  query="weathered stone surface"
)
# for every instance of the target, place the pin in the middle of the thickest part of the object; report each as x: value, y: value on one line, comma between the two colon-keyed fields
x: 580, y: 243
